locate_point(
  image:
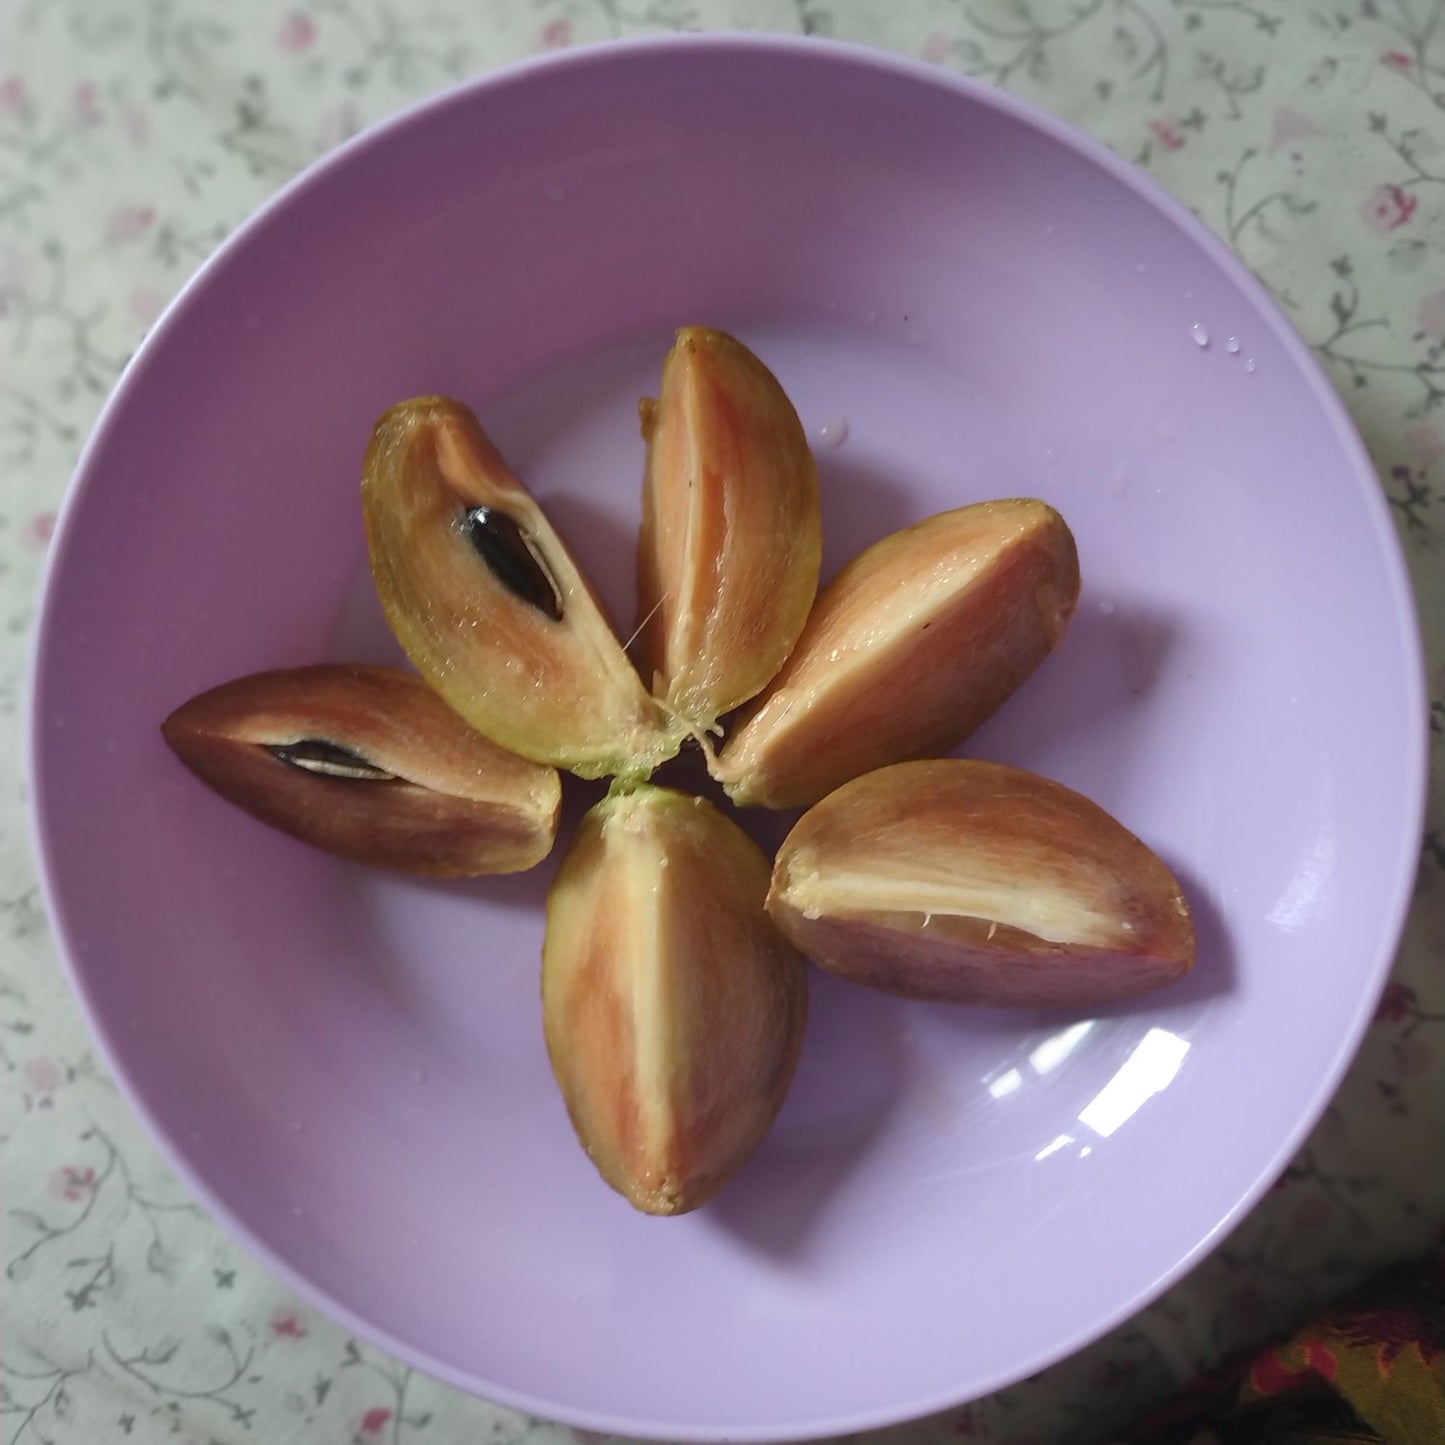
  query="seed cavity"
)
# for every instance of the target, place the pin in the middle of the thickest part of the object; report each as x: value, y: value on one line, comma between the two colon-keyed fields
x: 513, y: 559
x: 329, y: 760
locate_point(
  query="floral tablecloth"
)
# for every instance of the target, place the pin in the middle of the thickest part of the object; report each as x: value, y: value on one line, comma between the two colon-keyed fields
x: 135, y: 133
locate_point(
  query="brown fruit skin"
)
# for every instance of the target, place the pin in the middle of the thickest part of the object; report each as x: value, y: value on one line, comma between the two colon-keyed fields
x: 914, y: 645
x: 674, y: 1010
x: 732, y: 530
x: 558, y: 692
x: 459, y: 805
x: 919, y: 880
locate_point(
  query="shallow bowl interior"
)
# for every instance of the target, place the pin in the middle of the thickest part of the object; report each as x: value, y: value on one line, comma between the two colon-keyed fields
x: 349, y: 1068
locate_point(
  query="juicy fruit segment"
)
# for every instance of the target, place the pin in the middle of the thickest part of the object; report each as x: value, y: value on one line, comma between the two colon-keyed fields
x: 674, y: 1009
x: 914, y: 645
x: 370, y: 763
x: 732, y: 534
x: 490, y: 606
x: 971, y: 882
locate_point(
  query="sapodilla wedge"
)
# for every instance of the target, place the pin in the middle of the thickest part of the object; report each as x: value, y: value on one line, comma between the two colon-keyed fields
x: 914, y: 645
x: 732, y: 534
x: 674, y: 1009
x: 489, y: 604
x: 971, y: 882
x: 370, y: 763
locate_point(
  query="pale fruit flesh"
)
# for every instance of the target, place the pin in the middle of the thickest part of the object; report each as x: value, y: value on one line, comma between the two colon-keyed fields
x: 972, y: 882
x: 369, y: 763
x: 554, y: 688
x: 674, y: 1009
x: 913, y: 646
x: 732, y: 536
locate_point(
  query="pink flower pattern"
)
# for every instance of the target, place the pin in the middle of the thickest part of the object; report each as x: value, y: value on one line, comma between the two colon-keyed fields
x: 1167, y: 134
x: 135, y: 124
x: 13, y: 95
x: 38, y: 531
x: 287, y: 1324
x: 1430, y: 315
x: 128, y: 222
x: 297, y: 33
x: 73, y: 1182
x: 339, y: 123
x: 936, y: 48
x: 1396, y: 1003
x: 43, y: 1074
x: 1289, y: 125
x: 85, y: 102
x: 1388, y: 208
x: 145, y: 303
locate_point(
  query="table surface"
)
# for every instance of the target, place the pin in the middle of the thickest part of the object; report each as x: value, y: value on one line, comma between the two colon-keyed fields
x: 1309, y: 133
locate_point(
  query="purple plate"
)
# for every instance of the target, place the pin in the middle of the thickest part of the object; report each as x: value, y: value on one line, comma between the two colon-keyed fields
x: 349, y: 1068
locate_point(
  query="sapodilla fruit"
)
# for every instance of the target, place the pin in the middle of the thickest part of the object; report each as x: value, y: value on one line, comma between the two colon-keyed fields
x: 914, y: 645
x: 674, y: 1009
x: 490, y: 606
x: 369, y: 763
x: 732, y: 533
x: 971, y: 882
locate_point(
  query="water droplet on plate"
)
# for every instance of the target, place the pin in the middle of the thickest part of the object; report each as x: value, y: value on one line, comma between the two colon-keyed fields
x: 1232, y: 346
x: 1200, y: 335
x: 1249, y: 365
x: 833, y: 432
x: 1107, y: 608
x: 1048, y: 454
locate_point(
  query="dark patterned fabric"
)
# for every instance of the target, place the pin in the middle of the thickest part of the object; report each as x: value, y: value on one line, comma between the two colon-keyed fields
x: 1371, y: 1369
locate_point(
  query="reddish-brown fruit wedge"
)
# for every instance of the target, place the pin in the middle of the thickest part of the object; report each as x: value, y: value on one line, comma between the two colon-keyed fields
x: 370, y: 763
x: 732, y: 533
x: 970, y: 882
x: 674, y: 1009
x: 915, y: 644
x: 491, y: 607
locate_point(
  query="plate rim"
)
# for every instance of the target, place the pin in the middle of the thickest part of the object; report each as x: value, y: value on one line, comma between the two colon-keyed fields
x: 844, y: 54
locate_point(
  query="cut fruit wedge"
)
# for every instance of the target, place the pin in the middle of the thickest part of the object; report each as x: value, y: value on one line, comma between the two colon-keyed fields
x: 914, y: 645
x: 489, y: 604
x: 971, y: 882
x: 732, y: 537
x: 370, y: 763
x: 674, y: 1009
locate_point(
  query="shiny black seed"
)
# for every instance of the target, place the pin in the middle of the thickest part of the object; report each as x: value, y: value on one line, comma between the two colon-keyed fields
x: 313, y: 755
x: 513, y: 559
